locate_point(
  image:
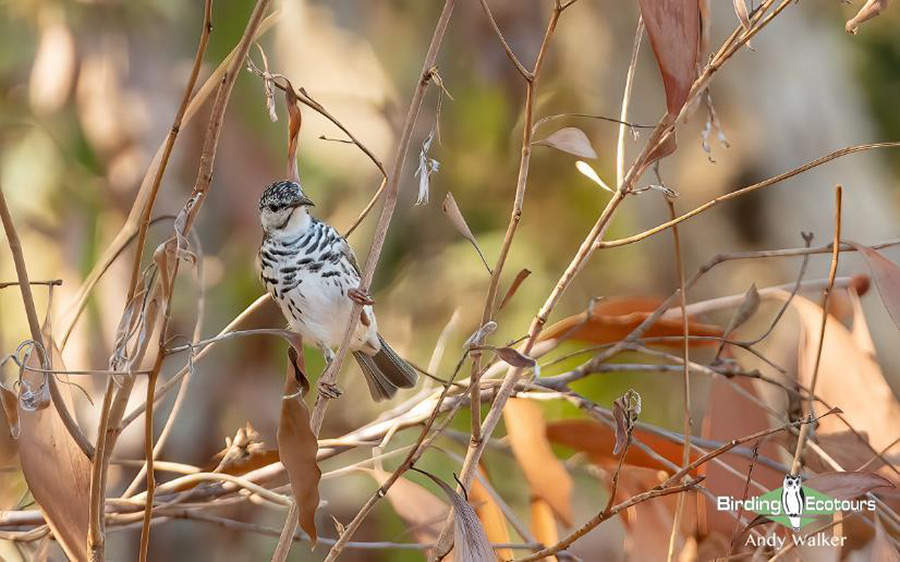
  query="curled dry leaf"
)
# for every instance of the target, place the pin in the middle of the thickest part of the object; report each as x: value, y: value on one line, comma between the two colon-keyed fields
x: 451, y: 209
x: 490, y: 514
x: 571, y: 140
x: 543, y: 524
x: 295, y: 119
x: 11, y: 407
x: 510, y: 293
x: 478, y: 337
x: 546, y: 475
x: 740, y: 8
x: 597, y: 441
x: 427, y: 166
x: 849, y: 377
x: 871, y: 9
x: 514, y: 358
x: 848, y: 485
x: 591, y: 174
x: 297, y: 446
x: 470, y: 543
x: 625, y: 412
x: 749, y: 306
x: 612, y: 320
x: 887, y: 279
x: 674, y: 30
x: 61, y: 488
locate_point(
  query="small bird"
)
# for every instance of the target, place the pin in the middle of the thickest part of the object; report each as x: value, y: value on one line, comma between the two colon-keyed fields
x: 311, y: 272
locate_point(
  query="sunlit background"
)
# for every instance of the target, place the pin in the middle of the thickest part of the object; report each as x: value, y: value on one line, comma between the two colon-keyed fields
x: 88, y: 90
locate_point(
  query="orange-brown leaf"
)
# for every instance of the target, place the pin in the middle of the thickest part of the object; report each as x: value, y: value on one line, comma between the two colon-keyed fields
x: 490, y: 515
x: 297, y: 447
x: 546, y: 475
x: 57, y: 471
x: 597, y: 440
x: 849, y: 377
x: 887, y: 279
x: 423, y: 511
x: 612, y: 320
x: 543, y: 524
x: 674, y: 30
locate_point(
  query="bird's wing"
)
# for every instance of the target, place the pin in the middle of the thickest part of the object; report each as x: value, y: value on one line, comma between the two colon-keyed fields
x: 347, y: 252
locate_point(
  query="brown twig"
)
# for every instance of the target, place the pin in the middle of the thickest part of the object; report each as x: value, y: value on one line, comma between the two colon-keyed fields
x: 804, y: 431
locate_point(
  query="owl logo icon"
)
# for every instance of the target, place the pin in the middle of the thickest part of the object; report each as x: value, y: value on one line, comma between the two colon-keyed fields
x: 792, y: 500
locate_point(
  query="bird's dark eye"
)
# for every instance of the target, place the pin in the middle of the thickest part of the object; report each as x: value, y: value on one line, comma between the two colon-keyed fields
x: 274, y: 208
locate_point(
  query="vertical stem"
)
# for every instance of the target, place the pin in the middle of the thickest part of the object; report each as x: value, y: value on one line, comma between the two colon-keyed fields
x: 626, y: 101
x: 686, y: 454
x: 836, y: 252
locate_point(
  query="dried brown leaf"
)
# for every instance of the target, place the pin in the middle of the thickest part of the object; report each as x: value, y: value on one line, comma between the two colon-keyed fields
x: 625, y: 412
x: 470, y: 543
x: 423, y: 511
x: 545, y: 473
x: 749, y: 306
x: 61, y: 488
x: 520, y: 277
x: 451, y: 209
x: 674, y: 30
x: 887, y: 279
x: 612, y: 320
x: 295, y: 119
x: 849, y: 377
x: 297, y: 446
x: 571, y: 140
x: 491, y: 515
x: 514, y: 358
x: 740, y: 8
x: 598, y: 440
x: 848, y: 485
x: 543, y: 524
x: 11, y: 407
x: 871, y: 9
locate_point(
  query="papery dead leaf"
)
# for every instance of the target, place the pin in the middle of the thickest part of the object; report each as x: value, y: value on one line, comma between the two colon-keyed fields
x: 512, y: 357
x: 740, y: 8
x: 849, y: 378
x: 571, y: 140
x: 295, y: 120
x: 625, y: 412
x: 451, y: 209
x: 887, y: 279
x: 510, y: 293
x: 597, y: 440
x: 60, y: 487
x: 490, y: 514
x: 749, y: 306
x: 297, y: 446
x: 860, y: 328
x: 883, y: 548
x: 612, y: 320
x: 11, y: 407
x: 543, y: 524
x: 848, y: 485
x: 591, y: 174
x: 674, y: 30
x: 470, y: 543
x: 545, y: 473
x: 871, y: 9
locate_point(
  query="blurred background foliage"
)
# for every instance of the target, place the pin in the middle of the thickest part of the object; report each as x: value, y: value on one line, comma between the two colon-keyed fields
x: 88, y: 89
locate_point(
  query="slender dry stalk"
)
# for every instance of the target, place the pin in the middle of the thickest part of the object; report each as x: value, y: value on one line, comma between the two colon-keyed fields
x: 804, y: 431
x: 387, y: 212
x: 686, y: 378
x: 531, y: 79
x: 172, y: 246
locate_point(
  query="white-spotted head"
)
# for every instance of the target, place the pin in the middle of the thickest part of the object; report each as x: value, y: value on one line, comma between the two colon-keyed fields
x: 283, y: 208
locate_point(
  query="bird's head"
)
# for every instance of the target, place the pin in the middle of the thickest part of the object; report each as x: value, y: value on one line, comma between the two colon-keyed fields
x: 282, y: 208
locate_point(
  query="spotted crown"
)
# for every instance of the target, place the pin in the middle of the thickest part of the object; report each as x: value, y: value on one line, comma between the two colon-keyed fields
x: 281, y: 194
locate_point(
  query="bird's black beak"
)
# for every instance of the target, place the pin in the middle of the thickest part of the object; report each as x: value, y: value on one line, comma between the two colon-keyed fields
x: 305, y: 201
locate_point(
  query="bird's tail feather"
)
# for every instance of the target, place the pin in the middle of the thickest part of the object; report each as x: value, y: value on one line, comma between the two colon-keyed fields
x: 385, y: 372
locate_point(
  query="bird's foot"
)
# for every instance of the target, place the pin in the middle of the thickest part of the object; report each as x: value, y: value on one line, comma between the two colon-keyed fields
x: 329, y: 390
x: 360, y: 297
